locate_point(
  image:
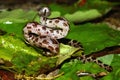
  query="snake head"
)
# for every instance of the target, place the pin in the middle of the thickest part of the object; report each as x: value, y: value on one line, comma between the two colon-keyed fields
x: 44, y: 12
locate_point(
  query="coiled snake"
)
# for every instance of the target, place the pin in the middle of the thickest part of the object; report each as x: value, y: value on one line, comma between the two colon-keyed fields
x: 46, y: 35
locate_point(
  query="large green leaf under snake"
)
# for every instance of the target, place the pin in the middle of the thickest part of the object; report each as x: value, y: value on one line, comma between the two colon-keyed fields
x: 13, y: 50
x: 94, y: 37
x: 88, y: 34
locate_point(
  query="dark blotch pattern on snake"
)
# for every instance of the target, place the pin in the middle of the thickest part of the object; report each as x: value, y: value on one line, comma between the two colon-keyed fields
x: 46, y: 33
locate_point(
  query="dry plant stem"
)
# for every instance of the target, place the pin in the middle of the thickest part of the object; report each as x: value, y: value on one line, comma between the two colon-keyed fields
x: 106, y: 51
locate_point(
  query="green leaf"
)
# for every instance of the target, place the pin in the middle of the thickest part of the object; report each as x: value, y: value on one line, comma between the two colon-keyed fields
x: 13, y: 28
x: 17, y: 15
x: 24, y: 57
x: 81, y: 16
x: 15, y: 51
x: 63, y: 9
x: 115, y: 75
x: 77, y: 13
x: 71, y: 68
x: 94, y: 37
x: 107, y: 59
x: 66, y: 52
x: 14, y: 44
x: 14, y: 21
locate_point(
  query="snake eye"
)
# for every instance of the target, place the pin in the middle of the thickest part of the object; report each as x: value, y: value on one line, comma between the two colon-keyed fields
x: 45, y: 12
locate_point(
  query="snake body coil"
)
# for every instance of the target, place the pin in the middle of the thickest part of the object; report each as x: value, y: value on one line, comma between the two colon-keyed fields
x: 46, y: 33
